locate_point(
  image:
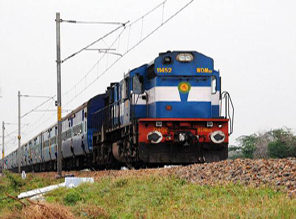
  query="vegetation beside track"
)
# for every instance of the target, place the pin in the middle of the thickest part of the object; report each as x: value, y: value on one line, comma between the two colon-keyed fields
x: 146, y: 196
x: 12, y: 184
x: 276, y: 143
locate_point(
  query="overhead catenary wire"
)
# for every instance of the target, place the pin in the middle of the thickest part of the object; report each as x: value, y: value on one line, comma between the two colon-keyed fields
x: 102, y: 38
x: 44, y: 121
x: 94, y: 42
x: 32, y: 124
x: 10, y: 138
x: 50, y: 98
x: 149, y: 12
x: 157, y: 28
x: 89, y: 71
x: 125, y: 26
x: 15, y: 131
x: 34, y: 109
x: 130, y: 49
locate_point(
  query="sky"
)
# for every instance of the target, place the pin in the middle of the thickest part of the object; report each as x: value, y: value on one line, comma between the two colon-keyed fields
x: 253, y: 44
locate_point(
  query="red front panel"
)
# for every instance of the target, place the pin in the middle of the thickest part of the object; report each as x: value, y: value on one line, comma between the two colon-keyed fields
x: 169, y: 127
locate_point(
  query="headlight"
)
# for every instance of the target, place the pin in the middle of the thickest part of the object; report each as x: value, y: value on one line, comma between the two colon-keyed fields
x: 167, y: 60
x: 154, y: 137
x: 217, y: 137
x: 182, y: 137
x: 184, y: 57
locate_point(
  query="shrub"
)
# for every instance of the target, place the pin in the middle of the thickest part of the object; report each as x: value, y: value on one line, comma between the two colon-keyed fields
x: 72, y: 198
x: 277, y: 143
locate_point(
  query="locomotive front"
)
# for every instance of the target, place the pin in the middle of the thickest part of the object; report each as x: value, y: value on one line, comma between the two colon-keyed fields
x: 181, y: 120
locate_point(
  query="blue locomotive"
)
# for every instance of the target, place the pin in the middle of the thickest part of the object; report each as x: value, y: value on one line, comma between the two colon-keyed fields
x: 166, y: 112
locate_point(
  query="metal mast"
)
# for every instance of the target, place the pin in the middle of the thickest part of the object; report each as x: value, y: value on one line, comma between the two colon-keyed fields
x: 19, y: 133
x: 59, y: 101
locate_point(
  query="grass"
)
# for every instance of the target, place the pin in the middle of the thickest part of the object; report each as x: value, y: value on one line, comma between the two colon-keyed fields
x: 13, y: 185
x: 169, y: 197
x: 161, y: 197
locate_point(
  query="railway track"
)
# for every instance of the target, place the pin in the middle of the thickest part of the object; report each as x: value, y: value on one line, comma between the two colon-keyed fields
x: 279, y: 174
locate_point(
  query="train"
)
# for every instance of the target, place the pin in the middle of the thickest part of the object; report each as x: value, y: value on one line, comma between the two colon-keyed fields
x: 169, y: 111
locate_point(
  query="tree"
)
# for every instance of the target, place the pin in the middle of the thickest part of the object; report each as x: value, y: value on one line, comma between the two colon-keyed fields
x: 247, y: 142
x: 284, y: 144
x: 261, y: 145
x: 276, y: 143
x: 234, y: 152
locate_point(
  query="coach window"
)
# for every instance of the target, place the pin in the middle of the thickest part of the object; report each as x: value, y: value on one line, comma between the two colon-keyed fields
x: 214, y: 84
x: 122, y: 89
x: 137, y: 84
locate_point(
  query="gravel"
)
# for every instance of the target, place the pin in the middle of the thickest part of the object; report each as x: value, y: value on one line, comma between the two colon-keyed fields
x: 279, y: 174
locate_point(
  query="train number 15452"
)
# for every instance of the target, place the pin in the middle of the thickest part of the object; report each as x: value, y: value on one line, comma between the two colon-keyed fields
x: 164, y: 70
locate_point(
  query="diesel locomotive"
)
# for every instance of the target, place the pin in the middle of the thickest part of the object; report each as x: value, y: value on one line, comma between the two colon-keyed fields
x: 166, y: 112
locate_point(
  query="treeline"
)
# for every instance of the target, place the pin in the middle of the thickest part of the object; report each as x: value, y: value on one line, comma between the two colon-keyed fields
x: 277, y: 143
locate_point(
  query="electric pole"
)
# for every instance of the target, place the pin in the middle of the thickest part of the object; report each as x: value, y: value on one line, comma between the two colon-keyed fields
x: 59, y: 101
x: 59, y: 62
x: 3, y: 128
x: 19, y: 133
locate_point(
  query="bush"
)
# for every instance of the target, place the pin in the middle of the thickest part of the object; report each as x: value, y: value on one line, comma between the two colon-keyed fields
x: 248, y: 145
x: 277, y: 143
x: 72, y: 198
x: 278, y: 149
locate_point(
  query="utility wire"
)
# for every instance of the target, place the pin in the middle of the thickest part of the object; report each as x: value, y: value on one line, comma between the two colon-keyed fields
x: 114, y: 30
x: 94, y: 42
x: 84, y: 77
x: 128, y: 50
x: 8, y: 136
x: 91, y: 70
x: 145, y: 15
x: 39, y: 119
x: 102, y: 38
x: 33, y: 124
x: 17, y: 129
x: 51, y: 98
x: 44, y: 122
x: 152, y: 32
x: 118, y: 38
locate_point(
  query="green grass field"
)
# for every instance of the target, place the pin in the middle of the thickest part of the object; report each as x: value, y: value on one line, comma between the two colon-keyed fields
x: 154, y: 197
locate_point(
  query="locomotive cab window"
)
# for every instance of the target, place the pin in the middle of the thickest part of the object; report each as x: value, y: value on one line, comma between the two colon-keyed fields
x: 150, y: 72
x: 138, y: 84
x: 214, y: 84
x: 111, y: 100
x: 126, y: 87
